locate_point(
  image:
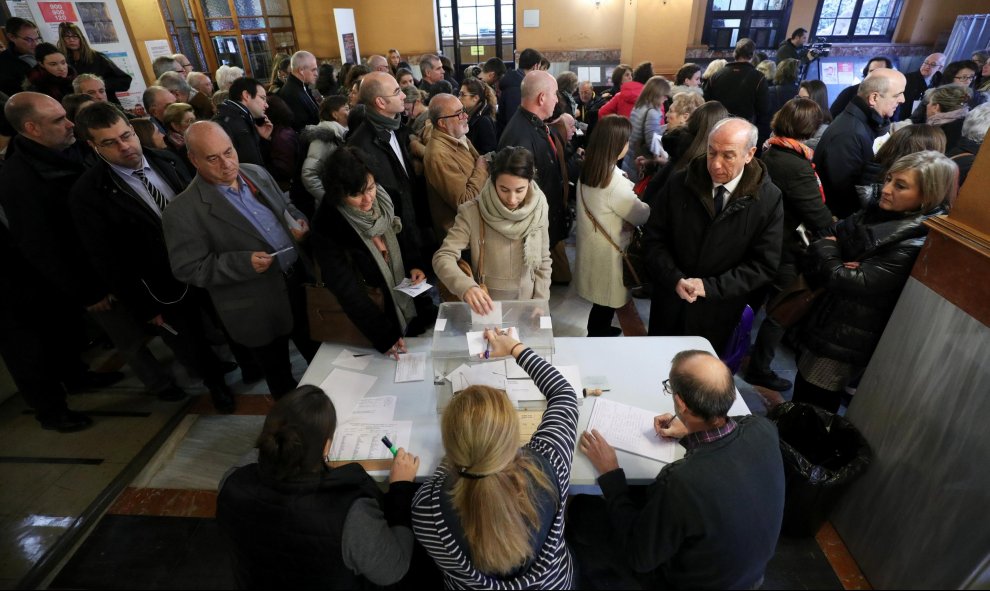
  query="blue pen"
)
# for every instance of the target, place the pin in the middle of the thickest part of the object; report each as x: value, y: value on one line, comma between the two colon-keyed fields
x: 388, y: 444
x: 487, y: 351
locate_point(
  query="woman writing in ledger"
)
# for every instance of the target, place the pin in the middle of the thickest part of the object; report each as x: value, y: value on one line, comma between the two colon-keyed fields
x: 607, y: 196
x: 292, y: 521
x: 491, y: 516
x: 358, y: 243
x: 506, y: 230
x: 85, y: 60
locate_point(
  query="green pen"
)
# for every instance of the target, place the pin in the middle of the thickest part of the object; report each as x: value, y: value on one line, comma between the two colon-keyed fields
x: 388, y: 444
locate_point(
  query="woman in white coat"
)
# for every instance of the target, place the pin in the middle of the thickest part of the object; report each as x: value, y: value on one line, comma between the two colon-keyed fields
x: 607, y: 203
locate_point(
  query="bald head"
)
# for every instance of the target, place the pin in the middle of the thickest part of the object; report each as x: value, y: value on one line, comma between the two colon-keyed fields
x: 703, y: 383
x: 447, y: 114
x: 41, y: 119
x: 731, y: 146
x: 883, y: 90
x: 378, y: 63
x: 539, y: 93
x: 380, y: 92
x: 303, y: 66
x: 212, y: 153
x: 933, y: 63
x: 201, y: 82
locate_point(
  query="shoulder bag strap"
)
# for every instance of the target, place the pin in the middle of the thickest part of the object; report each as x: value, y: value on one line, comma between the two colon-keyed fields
x: 481, y: 249
x: 598, y: 226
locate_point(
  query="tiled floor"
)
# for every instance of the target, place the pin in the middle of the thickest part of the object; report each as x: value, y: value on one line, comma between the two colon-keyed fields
x: 159, y: 532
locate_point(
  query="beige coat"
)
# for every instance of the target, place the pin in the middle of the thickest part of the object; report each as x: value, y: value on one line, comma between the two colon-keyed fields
x: 452, y: 178
x: 505, y: 273
x: 599, y: 265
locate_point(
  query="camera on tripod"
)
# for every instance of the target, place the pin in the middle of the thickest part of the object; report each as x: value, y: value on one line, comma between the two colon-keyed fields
x: 820, y: 48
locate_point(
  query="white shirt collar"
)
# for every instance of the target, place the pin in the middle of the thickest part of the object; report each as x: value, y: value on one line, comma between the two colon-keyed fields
x: 731, y: 185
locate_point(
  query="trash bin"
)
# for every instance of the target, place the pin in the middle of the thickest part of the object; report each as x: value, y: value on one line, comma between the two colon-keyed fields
x: 823, y: 453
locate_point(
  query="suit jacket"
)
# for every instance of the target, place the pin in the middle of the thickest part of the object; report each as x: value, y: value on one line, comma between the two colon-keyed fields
x: 13, y: 72
x: 123, y: 236
x: 509, y: 97
x: 237, y: 122
x: 745, y: 93
x: 210, y: 245
x: 303, y: 106
x: 452, y: 178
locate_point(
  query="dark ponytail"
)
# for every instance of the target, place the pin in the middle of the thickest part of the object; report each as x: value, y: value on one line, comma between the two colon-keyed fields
x: 296, y: 430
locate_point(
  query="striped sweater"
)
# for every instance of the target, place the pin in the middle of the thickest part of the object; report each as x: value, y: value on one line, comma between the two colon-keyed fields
x: 554, y: 441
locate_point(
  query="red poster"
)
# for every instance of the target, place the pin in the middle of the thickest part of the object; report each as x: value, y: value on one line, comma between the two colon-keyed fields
x: 57, y: 12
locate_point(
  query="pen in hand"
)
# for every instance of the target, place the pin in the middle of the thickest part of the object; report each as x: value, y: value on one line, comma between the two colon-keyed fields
x: 388, y: 444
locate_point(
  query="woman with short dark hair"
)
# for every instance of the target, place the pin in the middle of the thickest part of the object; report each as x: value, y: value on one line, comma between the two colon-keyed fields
x: 624, y: 102
x: 359, y: 244
x: 818, y: 92
x: 291, y: 520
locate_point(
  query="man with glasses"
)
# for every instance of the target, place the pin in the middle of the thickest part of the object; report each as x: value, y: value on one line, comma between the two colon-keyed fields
x: 18, y: 59
x: 929, y: 75
x: 710, y: 520
x: 242, y: 116
x: 455, y: 173
x: 184, y: 63
x: 296, y: 92
x: 117, y: 208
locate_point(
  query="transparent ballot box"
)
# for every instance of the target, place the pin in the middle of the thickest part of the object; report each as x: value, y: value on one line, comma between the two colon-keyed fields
x: 457, y: 342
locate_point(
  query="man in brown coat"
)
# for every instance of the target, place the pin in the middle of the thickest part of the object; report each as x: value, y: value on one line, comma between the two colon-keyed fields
x: 455, y: 173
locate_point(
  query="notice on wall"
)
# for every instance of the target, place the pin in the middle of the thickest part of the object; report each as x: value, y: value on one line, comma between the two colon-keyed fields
x: 347, y: 35
x: 847, y: 74
x: 531, y: 19
x: 20, y: 9
x: 157, y: 48
x: 830, y: 73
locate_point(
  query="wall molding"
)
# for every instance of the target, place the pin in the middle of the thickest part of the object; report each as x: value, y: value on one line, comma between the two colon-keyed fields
x: 953, y: 258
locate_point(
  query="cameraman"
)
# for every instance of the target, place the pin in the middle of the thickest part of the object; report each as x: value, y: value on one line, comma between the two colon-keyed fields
x: 793, y: 48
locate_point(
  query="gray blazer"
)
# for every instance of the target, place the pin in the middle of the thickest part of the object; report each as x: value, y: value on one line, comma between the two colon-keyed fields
x: 210, y: 245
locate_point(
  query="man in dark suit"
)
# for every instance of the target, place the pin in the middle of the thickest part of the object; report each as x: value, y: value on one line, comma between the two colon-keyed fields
x: 929, y: 75
x: 383, y: 140
x: 296, y: 90
x: 18, y: 59
x: 117, y: 207
x: 715, y: 238
x: 239, y: 116
x: 233, y: 233
x: 742, y: 89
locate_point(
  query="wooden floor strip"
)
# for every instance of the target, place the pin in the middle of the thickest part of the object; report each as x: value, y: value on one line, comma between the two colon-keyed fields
x: 838, y: 556
x: 165, y: 502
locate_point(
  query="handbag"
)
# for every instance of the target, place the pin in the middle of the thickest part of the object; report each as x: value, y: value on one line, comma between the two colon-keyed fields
x: 328, y: 322
x: 793, y: 303
x: 465, y: 267
x: 634, y: 267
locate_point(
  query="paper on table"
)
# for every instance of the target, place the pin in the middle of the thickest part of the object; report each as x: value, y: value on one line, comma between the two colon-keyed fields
x: 411, y: 367
x: 523, y: 391
x: 407, y: 287
x: 350, y: 360
x: 363, y: 441
x: 513, y: 371
x: 374, y: 410
x: 345, y: 389
x: 630, y: 429
x: 493, y: 318
x: 545, y: 322
x: 484, y: 374
x: 572, y: 374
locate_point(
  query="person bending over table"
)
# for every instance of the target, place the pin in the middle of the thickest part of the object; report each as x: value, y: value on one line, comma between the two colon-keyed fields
x: 292, y: 521
x: 359, y: 243
x: 711, y: 519
x: 506, y: 229
x: 492, y: 515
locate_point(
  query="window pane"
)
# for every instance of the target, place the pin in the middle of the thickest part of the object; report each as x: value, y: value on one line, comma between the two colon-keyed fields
x: 279, y: 22
x: 226, y: 50
x: 259, y: 55
x: 879, y: 26
x: 280, y: 7
x: 251, y: 23
x: 777, y: 5
x: 738, y: 4
x: 508, y: 14
x: 863, y: 26
x: 215, y: 8
x: 283, y: 39
x: 719, y: 5
x: 842, y: 26
x: 248, y: 7
x: 726, y: 23
x: 769, y: 23
x: 825, y: 27
x: 760, y: 4
x: 446, y: 17
x: 178, y: 13
x: 847, y: 8
x: 220, y: 24
x: 868, y: 9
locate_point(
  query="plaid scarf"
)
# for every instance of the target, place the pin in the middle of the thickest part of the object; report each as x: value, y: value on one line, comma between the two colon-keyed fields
x: 803, y: 150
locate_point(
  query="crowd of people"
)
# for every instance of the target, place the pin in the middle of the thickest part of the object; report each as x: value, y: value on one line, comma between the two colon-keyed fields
x: 203, y: 221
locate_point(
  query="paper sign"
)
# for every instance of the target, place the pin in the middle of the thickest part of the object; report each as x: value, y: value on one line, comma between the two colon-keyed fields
x: 411, y: 367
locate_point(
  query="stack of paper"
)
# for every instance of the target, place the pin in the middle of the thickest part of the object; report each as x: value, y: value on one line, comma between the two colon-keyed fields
x: 630, y: 429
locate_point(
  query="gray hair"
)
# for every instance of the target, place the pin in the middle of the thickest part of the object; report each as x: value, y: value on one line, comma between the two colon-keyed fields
x: 296, y: 61
x: 977, y: 123
x: 78, y: 80
x: 226, y: 76
x: 164, y: 63
x: 174, y: 83
x: 427, y: 60
x: 192, y: 77
x: 873, y: 83
x: 437, y: 107
x: 150, y: 95
x: 567, y: 82
x: 752, y: 133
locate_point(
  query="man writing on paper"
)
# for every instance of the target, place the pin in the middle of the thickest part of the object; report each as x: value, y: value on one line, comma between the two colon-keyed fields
x: 711, y: 519
x: 232, y: 233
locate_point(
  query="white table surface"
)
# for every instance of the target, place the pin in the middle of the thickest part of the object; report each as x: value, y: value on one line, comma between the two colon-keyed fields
x: 633, y: 367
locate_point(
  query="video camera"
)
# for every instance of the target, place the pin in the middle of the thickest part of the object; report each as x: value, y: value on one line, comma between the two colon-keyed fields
x: 820, y: 48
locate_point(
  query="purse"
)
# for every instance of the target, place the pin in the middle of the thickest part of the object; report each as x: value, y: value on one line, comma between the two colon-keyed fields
x: 328, y: 322
x: 634, y: 267
x: 793, y: 303
x: 465, y: 267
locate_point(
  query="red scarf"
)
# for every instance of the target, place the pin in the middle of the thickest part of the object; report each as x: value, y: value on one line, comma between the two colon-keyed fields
x: 808, y: 153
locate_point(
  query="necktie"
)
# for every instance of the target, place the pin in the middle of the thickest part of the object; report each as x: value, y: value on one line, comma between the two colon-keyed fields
x: 720, y: 193
x: 160, y: 200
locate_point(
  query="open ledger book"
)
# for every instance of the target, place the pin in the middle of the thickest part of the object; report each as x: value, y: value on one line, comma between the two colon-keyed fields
x: 630, y: 429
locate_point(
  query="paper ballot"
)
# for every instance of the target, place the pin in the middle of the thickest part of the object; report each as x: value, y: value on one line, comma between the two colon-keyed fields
x: 493, y: 318
x: 346, y: 389
x: 351, y: 360
x: 411, y: 367
x: 630, y: 429
x: 363, y: 441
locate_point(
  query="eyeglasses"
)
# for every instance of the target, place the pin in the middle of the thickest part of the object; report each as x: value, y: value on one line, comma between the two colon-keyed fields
x: 70, y: 36
x: 935, y: 65
x: 31, y: 40
x: 667, y: 389
x: 965, y: 78
x: 397, y: 92
x: 124, y: 138
x: 461, y: 113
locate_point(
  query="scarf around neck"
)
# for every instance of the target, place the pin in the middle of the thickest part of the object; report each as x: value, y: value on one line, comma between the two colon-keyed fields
x: 381, y: 224
x: 792, y: 144
x: 948, y: 117
x: 528, y: 222
x: 383, y: 121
